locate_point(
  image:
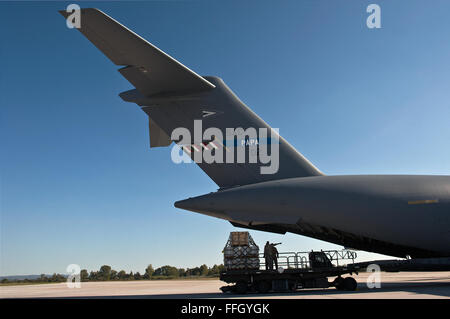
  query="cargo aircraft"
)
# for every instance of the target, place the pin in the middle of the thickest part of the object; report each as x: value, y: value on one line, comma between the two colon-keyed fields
x: 396, y: 215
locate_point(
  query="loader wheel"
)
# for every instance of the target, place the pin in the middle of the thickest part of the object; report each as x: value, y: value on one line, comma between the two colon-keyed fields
x: 339, y: 283
x: 241, y: 287
x: 292, y: 285
x: 263, y: 286
x: 349, y: 284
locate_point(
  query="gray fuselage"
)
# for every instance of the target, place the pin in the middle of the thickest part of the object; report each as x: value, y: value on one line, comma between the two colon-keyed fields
x: 396, y: 215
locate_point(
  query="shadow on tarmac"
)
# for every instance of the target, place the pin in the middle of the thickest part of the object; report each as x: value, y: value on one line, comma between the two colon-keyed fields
x: 423, y: 288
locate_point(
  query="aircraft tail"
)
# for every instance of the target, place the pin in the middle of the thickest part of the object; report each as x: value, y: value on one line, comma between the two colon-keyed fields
x: 174, y: 97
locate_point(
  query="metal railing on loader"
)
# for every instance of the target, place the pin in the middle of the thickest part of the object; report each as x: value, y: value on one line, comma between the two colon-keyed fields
x: 300, y: 260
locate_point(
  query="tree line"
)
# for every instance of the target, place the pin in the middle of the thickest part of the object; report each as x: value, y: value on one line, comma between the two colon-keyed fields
x: 106, y: 273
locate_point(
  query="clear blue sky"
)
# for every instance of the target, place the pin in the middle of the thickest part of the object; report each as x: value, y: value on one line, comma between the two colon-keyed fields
x: 79, y: 183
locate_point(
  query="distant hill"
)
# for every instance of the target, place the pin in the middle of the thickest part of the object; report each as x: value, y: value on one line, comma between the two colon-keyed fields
x: 23, y: 277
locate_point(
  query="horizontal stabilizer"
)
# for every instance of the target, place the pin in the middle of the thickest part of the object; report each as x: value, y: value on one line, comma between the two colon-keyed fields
x: 149, y: 69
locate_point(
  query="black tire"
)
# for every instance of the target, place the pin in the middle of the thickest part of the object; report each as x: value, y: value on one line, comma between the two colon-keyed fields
x: 241, y: 287
x: 349, y: 284
x: 263, y: 286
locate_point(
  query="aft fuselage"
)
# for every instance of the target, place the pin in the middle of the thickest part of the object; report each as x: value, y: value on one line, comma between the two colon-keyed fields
x: 396, y: 215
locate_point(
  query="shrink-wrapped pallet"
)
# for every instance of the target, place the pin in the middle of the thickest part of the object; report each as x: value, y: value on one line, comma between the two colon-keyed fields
x: 241, y: 252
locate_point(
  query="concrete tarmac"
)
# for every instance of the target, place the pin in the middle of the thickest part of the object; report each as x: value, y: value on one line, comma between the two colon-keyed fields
x: 393, y: 286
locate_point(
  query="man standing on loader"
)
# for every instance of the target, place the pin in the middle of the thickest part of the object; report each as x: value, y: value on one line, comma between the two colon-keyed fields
x: 268, y: 256
x: 271, y: 255
x: 275, y: 254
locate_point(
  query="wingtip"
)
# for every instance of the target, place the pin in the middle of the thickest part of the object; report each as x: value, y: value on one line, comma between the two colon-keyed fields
x: 65, y: 14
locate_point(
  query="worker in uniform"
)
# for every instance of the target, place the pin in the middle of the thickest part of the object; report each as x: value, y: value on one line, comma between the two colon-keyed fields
x: 268, y: 256
x: 275, y: 255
